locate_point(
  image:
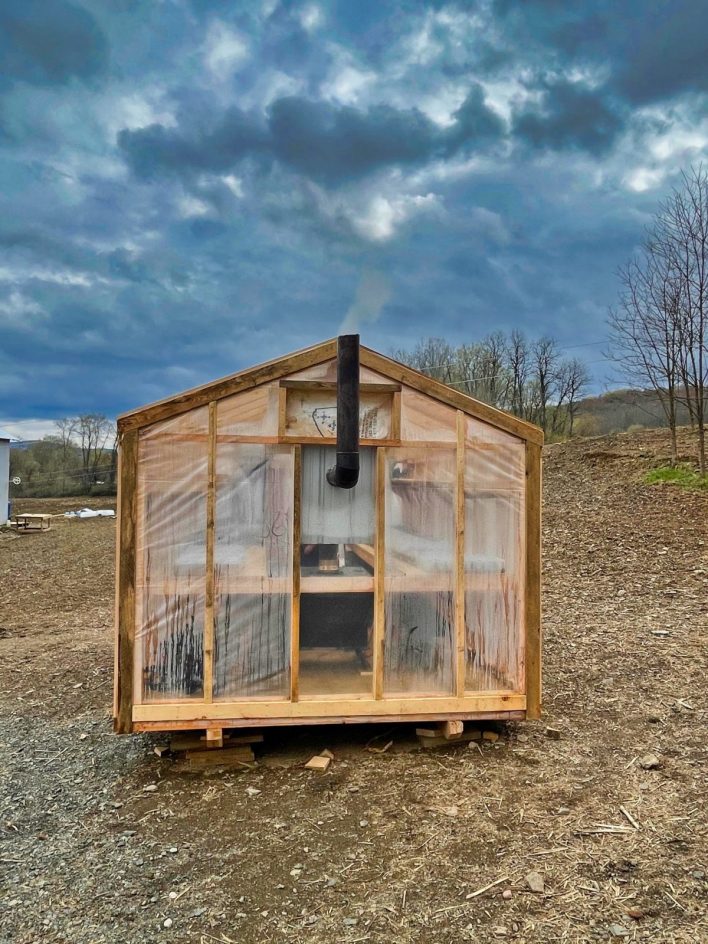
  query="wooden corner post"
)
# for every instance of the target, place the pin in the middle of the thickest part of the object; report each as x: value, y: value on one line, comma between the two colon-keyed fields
x: 209, y: 574
x: 127, y: 501
x: 533, y: 580
x: 460, y: 660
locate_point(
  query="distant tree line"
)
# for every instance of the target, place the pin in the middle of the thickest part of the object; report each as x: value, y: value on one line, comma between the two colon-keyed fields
x: 659, y: 327
x: 529, y: 378
x: 79, y: 459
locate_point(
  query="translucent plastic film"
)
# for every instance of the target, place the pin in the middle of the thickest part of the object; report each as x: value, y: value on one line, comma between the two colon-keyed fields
x: 494, y: 565
x: 253, y: 571
x: 426, y: 420
x: 495, y: 459
x: 419, y: 571
x: 251, y: 413
x: 327, y: 370
x: 171, y: 559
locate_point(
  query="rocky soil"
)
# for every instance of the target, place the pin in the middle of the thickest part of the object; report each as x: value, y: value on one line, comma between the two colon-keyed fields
x: 102, y: 841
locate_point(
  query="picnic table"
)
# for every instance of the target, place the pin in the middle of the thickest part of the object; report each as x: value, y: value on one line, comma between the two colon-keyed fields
x: 33, y: 522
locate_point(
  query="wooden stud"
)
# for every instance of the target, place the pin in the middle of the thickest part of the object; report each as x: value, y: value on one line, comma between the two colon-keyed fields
x: 532, y: 607
x: 209, y: 582
x: 460, y: 665
x: 396, y: 416
x: 379, y: 644
x: 214, y: 737
x: 295, y: 603
x: 282, y: 411
x: 127, y: 477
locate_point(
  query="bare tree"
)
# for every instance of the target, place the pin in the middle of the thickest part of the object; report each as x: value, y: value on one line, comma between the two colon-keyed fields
x: 681, y: 232
x: 572, y: 379
x: 517, y: 357
x: 66, y: 429
x: 93, y: 431
x: 658, y: 330
x: 545, y: 357
x: 644, y: 330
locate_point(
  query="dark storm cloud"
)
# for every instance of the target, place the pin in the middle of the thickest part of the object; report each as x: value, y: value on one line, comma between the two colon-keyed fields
x: 190, y: 187
x: 322, y: 141
x: 49, y: 43
x: 653, y: 51
x: 570, y: 116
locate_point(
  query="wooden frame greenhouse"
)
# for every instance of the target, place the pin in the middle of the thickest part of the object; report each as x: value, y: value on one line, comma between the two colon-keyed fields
x: 252, y: 592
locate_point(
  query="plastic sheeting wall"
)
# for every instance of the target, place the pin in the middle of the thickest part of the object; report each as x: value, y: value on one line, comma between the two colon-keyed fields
x: 419, y: 570
x: 494, y: 559
x: 253, y: 556
x: 253, y: 570
x: 171, y: 559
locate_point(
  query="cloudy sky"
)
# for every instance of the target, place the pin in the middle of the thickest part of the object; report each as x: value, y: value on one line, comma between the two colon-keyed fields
x: 188, y: 187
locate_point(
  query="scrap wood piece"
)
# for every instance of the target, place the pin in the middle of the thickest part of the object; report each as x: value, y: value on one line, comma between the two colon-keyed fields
x: 318, y: 762
x: 629, y: 816
x: 485, y: 888
x: 380, y: 750
x: 603, y: 828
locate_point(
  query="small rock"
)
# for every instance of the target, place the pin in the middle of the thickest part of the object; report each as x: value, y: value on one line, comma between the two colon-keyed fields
x: 252, y: 791
x: 150, y: 788
x: 635, y: 913
x: 698, y: 873
x: 197, y: 913
x: 616, y: 930
x: 296, y: 873
x: 172, y: 849
x: 654, y: 718
x: 535, y: 882
x: 350, y: 922
x: 649, y: 762
x: 363, y: 823
x: 506, y: 894
x: 167, y: 923
x: 173, y: 895
x: 553, y: 733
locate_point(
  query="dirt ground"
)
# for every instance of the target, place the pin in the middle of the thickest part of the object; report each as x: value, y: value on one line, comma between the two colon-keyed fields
x: 102, y: 841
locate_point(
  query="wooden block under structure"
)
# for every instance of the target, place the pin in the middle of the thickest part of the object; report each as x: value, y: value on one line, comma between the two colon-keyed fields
x: 215, y: 737
x: 447, y: 729
x: 473, y: 734
x: 193, y: 741
x: 320, y: 762
x: 226, y: 757
x: 451, y: 729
